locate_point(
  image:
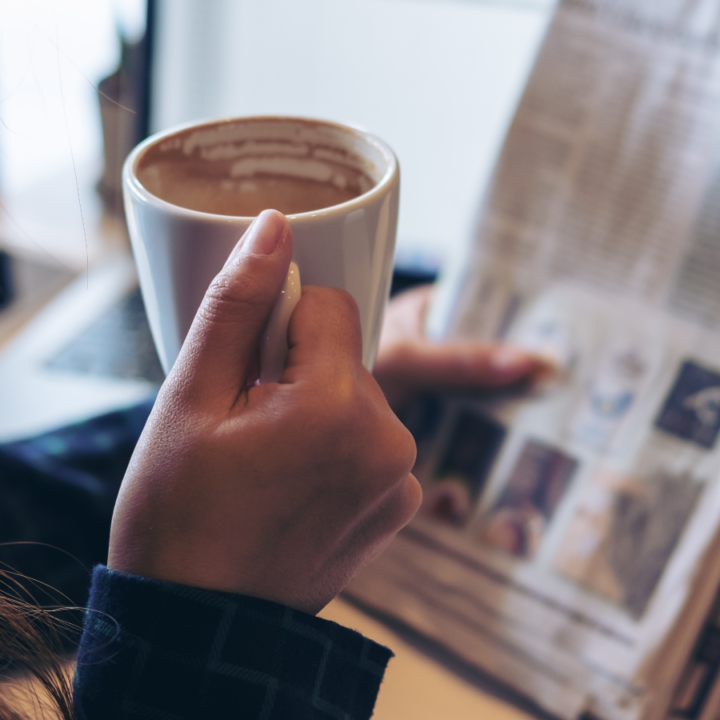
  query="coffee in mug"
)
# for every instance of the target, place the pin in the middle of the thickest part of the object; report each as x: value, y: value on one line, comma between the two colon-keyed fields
x: 214, y: 187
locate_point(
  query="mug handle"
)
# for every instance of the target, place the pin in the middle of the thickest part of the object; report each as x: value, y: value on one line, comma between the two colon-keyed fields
x: 273, y: 346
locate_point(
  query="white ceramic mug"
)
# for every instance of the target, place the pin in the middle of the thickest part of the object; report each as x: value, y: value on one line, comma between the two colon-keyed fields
x: 179, y: 250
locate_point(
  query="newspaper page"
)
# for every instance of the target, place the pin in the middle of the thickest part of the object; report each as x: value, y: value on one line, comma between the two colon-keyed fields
x: 568, y: 542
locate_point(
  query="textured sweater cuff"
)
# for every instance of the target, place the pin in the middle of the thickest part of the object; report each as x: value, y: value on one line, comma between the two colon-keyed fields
x: 154, y: 648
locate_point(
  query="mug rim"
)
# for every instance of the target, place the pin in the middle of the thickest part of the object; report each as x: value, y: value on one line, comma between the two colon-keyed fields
x: 133, y: 184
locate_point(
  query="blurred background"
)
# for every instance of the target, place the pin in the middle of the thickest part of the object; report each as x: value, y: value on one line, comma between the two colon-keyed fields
x: 82, y: 81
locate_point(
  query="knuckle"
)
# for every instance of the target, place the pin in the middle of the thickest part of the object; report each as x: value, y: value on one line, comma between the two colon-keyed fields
x: 345, y: 302
x: 405, y: 451
x: 342, y: 408
x: 390, y: 452
x: 334, y: 300
x: 226, y: 296
x: 358, y: 429
x: 332, y: 318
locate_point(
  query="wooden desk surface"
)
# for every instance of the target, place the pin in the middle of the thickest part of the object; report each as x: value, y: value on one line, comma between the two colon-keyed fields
x: 416, y: 687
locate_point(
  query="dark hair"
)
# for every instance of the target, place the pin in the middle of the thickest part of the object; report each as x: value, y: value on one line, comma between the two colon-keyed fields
x: 32, y: 637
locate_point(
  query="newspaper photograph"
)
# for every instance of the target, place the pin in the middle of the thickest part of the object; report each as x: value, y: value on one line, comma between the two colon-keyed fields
x: 569, y: 538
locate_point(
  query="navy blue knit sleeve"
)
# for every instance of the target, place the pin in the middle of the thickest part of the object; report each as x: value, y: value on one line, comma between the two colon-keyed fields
x: 161, y: 650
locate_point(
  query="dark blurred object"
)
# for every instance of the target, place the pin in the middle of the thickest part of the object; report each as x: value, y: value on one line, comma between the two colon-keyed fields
x: 58, y: 492
x: 26, y: 284
x: 404, y: 279
x: 125, y: 112
x: 118, y: 345
x: 7, y: 291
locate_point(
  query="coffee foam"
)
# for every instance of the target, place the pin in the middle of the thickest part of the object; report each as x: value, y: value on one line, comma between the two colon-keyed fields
x: 251, y: 135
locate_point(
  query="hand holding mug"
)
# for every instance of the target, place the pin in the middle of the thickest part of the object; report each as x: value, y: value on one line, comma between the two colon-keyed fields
x: 281, y: 491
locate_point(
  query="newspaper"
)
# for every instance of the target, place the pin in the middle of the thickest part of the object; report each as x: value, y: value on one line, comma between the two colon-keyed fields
x: 569, y: 538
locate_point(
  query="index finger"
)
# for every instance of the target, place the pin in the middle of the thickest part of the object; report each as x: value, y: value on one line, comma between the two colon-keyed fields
x: 324, y: 333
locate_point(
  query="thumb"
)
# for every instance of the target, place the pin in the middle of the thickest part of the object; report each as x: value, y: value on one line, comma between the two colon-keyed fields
x: 221, y: 348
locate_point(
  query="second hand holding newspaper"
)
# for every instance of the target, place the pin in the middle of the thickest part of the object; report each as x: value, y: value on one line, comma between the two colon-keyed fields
x: 569, y: 541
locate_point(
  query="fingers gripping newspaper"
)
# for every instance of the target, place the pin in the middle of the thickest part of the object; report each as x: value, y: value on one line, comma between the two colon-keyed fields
x: 569, y: 538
